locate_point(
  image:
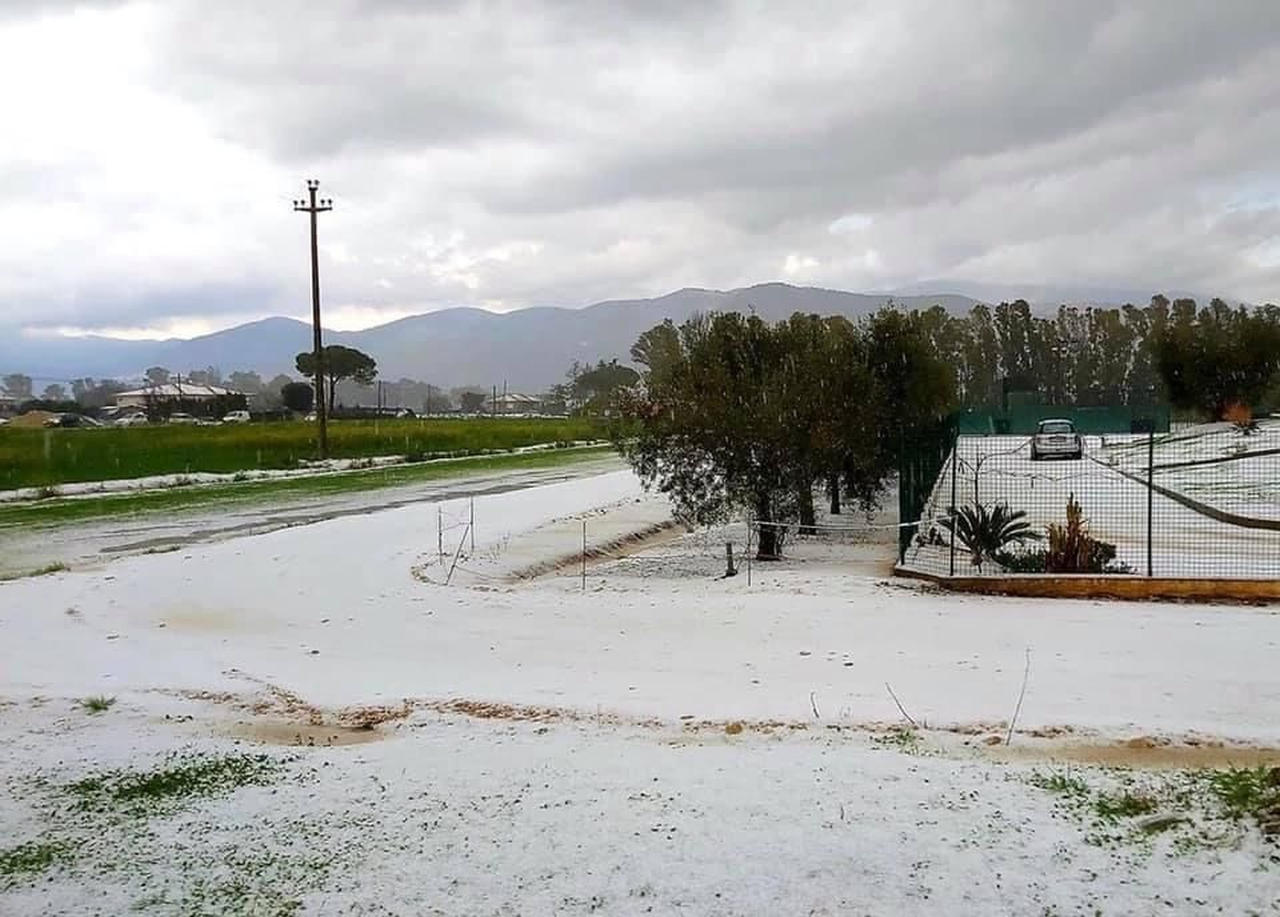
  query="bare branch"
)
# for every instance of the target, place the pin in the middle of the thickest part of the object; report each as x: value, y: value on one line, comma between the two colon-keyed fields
x: 1026, y: 673
x: 905, y: 714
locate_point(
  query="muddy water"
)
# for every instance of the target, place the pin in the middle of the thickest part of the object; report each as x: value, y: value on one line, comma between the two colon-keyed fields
x: 1142, y: 755
x: 282, y: 732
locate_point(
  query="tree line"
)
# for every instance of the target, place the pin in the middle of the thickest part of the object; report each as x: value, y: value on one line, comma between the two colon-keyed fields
x: 1201, y: 360
x: 350, y: 379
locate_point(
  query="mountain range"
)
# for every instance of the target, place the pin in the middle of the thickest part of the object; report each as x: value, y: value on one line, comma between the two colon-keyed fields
x: 528, y: 350
x: 525, y: 350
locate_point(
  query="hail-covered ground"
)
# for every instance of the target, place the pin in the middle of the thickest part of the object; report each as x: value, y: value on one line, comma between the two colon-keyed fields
x: 365, y: 716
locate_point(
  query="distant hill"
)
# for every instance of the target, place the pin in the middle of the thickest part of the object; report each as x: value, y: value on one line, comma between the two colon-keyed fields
x: 529, y: 349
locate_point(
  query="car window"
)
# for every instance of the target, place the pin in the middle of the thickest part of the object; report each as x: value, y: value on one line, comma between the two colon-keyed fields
x: 1056, y: 426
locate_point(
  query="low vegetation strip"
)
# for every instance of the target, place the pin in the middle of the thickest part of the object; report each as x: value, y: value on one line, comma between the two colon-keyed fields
x: 112, y: 833
x: 1201, y: 809
x: 174, y: 499
x: 174, y: 781
x: 46, y: 458
x: 18, y: 864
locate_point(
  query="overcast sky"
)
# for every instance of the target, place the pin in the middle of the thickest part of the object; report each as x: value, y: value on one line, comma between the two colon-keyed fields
x: 506, y: 155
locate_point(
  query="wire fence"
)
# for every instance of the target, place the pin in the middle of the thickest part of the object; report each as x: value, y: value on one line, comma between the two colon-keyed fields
x: 634, y: 541
x: 1200, y: 502
x: 468, y: 550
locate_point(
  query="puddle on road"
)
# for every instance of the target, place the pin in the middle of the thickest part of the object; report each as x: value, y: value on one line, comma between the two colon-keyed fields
x: 307, y: 735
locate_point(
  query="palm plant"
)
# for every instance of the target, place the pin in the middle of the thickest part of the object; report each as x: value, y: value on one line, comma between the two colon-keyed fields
x: 1073, y: 550
x: 1070, y: 546
x: 985, y: 530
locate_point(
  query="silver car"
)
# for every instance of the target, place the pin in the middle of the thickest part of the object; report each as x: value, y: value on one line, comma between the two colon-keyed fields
x: 1057, y: 439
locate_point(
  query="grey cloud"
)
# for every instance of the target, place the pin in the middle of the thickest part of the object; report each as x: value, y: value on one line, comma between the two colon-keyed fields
x: 889, y: 137
x: 24, y: 9
x: 313, y: 79
x: 123, y: 307
x: 559, y: 153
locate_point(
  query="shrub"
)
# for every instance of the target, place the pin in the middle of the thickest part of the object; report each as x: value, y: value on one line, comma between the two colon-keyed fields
x: 1073, y: 550
x: 1031, y: 560
x: 985, y: 531
x: 1241, y: 417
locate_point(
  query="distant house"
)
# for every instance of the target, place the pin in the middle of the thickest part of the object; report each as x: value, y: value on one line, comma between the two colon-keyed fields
x: 172, y: 396
x: 8, y: 404
x: 514, y: 403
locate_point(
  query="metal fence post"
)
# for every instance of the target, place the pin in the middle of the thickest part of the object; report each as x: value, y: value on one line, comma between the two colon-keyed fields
x: 1151, y: 456
x: 951, y: 511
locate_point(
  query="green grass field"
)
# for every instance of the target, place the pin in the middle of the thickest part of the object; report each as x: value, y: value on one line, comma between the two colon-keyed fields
x: 26, y: 515
x: 46, y: 458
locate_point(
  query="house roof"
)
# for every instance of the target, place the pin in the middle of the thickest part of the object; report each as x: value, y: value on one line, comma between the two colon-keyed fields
x: 179, y: 390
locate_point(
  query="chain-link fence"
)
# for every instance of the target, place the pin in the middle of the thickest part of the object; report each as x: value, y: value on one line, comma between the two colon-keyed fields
x: 1201, y: 502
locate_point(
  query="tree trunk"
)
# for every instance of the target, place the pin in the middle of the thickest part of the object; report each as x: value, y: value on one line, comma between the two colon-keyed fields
x: 833, y: 491
x: 808, y: 518
x: 767, y: 532
x: 333, y: 384
x: 767, y: 543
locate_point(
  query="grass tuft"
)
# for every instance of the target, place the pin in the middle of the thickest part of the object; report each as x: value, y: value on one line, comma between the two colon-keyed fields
x: 1059, y: 783
x: 903, y: 738
x: 1123, y: 805
x: 1249, y: 793
x: 98, y: 704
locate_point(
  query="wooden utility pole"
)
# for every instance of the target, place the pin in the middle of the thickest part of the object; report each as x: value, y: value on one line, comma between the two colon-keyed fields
x: 313, y: 207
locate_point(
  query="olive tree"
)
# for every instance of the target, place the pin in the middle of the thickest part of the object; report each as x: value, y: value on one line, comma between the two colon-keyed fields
x: 731, y: 413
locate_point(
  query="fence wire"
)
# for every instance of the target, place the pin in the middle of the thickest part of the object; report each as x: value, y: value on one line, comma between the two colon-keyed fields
x: 1202, y: 503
